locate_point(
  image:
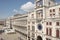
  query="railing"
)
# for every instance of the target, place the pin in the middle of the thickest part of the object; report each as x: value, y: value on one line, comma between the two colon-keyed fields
x: 22, y: 35
x: 55, y: 16
x: 38, y: 7
x: 21, y: 30
x: 20, y: 18
x: 21, y: 25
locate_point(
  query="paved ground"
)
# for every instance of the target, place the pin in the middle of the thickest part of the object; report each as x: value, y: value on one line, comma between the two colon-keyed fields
x: 9, y: 36
x: 14, y: 36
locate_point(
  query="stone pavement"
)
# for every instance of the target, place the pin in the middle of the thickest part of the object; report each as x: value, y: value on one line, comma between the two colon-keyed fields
x: 12, y: 36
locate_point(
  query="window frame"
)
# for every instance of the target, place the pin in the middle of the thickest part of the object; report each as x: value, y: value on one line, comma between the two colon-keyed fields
x: 57, y: 23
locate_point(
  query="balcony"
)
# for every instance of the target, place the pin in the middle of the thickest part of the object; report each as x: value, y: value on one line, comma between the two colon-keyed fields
x: 20, y: 23
x: 39, y: 7
x: 55, y: 16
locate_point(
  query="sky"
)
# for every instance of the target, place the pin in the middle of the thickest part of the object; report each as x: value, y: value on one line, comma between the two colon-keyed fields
x: 11, y: 7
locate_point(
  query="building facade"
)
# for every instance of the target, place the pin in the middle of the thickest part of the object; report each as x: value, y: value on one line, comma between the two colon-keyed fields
x: 20, y: 25
x: 44, y: 23
x: 41, y: 24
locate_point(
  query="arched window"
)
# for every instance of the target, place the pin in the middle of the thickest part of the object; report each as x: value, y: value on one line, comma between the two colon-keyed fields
x: 39, y: 38
x: 57, y: 33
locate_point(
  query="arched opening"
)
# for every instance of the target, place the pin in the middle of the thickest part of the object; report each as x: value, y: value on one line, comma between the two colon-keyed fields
x: 39, y: 38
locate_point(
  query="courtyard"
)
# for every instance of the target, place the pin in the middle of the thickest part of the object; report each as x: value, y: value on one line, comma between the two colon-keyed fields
x: 10, y: 36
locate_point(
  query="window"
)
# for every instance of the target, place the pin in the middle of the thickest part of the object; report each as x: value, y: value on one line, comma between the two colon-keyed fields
x: 29, y: 34
x: 48, y: 39
x: 28, y: 38
x: 33, y: 28
x: 32, y: 39
x: 32, y: 15
x: 57, y: 23
x: 49, y: 3
x: 50, y: 14
x: 59, y: 9
x: 46, y: 23
x: 57, y: 33
x: 41, y: 15
x: 38, y: 3
x: 50, y: 32
x: 50, y: 23
x: 33, y: 22
x: 50, y: 10
x: 33, y: 35
x: 28, y: 27
x: 54, y: 14
x: 28, y: 22
x: 53, y: 10
x: 46, y: 31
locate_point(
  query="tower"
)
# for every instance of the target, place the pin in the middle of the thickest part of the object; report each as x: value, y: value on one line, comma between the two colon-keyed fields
x: 42, y: 5
x: 41, y: 9
x: 48, y: 2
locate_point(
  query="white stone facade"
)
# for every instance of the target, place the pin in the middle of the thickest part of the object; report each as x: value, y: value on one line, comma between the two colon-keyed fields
x: 46, y: 21
x: 20, y: 25
x: 41, y: 24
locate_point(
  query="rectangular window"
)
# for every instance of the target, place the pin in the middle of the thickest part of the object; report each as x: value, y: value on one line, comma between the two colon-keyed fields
x: 50, y: 32
x: 38, y: 3
x: 50, y: 23
x: 33, y: 35
x: 54, y: 14
x: 57, y: 33
x: 50, y: 14
x: 29, y: 34
x: 59, y: 9
x: 53, y: 10
x: 28, y: 27
x: 32, y: 39
x: 32, y: 15
x: 46, y: 23
x: 28, y: 22
x: 33, y: 22
x: 48, y: 39
x: 41, y: 15
x: 28, y: 38
x: 57, y: 23
x: 33, y: 28
x: 46, y: 31
x: 50, y: 10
